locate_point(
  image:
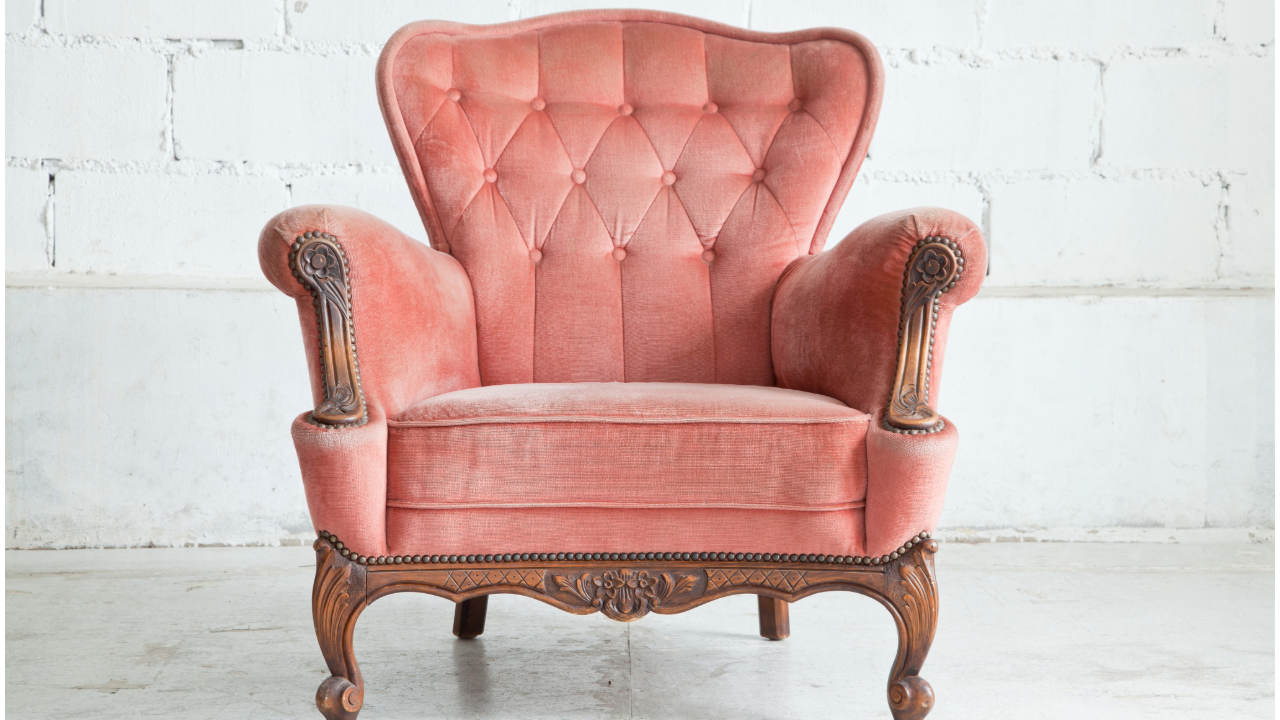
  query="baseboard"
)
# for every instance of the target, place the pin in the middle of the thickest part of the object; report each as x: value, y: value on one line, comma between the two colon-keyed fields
x: 1189, y: 536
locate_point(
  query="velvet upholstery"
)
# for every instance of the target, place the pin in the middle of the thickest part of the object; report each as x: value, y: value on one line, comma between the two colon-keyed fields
x: 624, y: 188
x: 625, y: 335
x: 712, y: 446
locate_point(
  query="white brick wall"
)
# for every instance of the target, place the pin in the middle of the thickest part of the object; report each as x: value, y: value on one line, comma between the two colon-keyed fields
x: 1118, y: 154
x: 26, y: 195
x: 83, y: 103
x: 149, y: 224
x: 239, y: 19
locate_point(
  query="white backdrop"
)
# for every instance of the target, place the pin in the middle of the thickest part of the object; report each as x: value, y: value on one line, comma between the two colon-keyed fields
x: 1113, y: 380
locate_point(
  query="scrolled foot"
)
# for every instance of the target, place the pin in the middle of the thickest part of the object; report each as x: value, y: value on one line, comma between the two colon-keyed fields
x: 911, y: 698
x: 338, y: 699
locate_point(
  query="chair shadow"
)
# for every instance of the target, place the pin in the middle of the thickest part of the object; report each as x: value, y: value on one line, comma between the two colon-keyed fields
x: 471, y: 669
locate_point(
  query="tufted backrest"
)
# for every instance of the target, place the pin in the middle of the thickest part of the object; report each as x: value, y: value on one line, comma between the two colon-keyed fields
x: 624, y: 188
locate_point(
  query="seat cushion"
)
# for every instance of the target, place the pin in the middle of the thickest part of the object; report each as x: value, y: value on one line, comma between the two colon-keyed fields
x: 599, y: 467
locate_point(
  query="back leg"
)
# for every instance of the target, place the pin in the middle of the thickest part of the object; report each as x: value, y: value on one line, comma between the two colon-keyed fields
x: 468, y: 617
x: 775, y: 618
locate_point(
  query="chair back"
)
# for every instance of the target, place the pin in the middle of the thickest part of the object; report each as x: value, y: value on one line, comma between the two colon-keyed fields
x: 624, y: 188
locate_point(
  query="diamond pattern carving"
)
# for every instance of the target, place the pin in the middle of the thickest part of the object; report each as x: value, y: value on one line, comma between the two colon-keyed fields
x: 459, y: 580
x: 788, y: 580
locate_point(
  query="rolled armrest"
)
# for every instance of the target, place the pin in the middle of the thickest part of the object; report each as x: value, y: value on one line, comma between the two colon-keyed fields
x: 411, y: 305
x: 417, y: 338
x: 866, y: 323
x: 838, y: 321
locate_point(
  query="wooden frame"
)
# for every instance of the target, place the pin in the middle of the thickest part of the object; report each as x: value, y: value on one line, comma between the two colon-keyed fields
x: 626, y: 587
x: 932, y: 269
x: 320, y: 264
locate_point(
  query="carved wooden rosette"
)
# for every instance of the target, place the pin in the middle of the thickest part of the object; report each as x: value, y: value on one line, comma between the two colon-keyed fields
x: 320, y: 264
x: 932, y: 269
x: 337, y: 598
x: 625, y: 590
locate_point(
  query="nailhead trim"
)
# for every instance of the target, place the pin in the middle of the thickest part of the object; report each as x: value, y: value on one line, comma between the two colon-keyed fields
x: 526, y: 557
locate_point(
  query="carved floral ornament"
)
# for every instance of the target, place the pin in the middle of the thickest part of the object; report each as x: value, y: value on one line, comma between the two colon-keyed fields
x: 934, y: 266
x: 319, y: 263
x: 627, y: 594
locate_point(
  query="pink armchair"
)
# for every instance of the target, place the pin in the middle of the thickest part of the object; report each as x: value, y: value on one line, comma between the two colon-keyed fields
x: 625, y: 377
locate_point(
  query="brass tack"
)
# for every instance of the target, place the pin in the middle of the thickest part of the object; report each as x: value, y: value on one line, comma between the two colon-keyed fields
x: 346, y: 553
x: 631, y: 556
x: 685, y: 557
x: 875, y: 561
x: 902, y: 551
x: 893, y: 556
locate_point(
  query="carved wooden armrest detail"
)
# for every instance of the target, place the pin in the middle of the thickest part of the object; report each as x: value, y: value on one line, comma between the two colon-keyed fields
x: 320, y: 264
x: 932, y: 269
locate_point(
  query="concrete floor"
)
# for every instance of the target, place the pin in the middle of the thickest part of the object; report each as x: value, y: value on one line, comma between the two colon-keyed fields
x: 1027, y: 630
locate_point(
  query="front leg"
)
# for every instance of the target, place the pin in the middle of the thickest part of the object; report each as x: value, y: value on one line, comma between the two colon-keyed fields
x: 911, y: 589
x: 337, y: 598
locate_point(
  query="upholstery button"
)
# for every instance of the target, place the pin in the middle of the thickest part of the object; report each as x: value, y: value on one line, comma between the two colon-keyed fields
x: 535, y: 255
x: 619, y: 254
x: 668, y: 178
x: 624, y: 109
x: 795, y: 104
x: 538, y: 104
x: 490, y: 175
x: 758, y: 175
x: 454, y: 94
x: 710, y: 108
x: 709, y: 255
x: 579, y: 176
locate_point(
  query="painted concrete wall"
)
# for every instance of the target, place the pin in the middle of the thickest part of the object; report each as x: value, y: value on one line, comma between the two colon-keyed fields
x: 1115, y: 377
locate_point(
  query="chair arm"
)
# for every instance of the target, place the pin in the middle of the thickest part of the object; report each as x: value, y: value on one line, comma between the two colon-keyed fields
x: 866, y: 323
x: 416, y: 316
x: 413, y: 307
x: 846, y: 325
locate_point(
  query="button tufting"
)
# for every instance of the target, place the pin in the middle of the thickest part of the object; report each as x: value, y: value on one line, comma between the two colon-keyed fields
x: 709, y: 255
x: 490, y: 175
x: 538, y: 104
x: 579, y: 176
x: 624, y: 109
x: 668, y: 178
x: 758, y: 175
x: 710, y: 108
x: 454, y: 94
x: 535, y: 255
x: 619, y: 254
x: 795, y: 105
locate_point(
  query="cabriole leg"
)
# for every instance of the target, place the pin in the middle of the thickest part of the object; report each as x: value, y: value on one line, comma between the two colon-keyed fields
x: 775, y: 618
x: 912, y: 589
x: 468, y: 617
x: 337, y: 598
